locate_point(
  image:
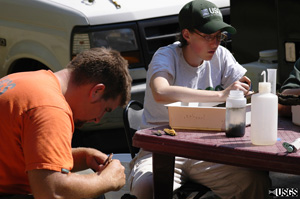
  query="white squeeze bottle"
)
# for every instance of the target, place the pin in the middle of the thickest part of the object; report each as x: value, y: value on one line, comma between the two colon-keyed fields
x: 264, y: 115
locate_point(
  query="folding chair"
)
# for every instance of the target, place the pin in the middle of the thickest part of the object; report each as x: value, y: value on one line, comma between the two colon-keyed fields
x: 132, y: 117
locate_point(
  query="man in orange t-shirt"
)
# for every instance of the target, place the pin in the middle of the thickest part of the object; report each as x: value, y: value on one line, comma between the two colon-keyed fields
x: 38, y: 113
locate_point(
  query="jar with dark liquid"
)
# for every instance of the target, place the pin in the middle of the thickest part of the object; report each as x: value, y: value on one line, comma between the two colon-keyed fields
x: 235, y: 120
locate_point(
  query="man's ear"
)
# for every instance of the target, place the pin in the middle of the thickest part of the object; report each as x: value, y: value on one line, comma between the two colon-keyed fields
x: 96, y: 92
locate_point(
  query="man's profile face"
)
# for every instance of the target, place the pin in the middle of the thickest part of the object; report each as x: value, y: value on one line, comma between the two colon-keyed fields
x: 94, y: 111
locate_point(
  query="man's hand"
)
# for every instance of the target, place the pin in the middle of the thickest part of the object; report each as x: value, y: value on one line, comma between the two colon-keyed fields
x: 94, y: 159
x: 85, y: 158
x: 114, y: 173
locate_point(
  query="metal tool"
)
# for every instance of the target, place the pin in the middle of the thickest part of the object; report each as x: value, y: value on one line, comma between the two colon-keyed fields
x: 108, y: 160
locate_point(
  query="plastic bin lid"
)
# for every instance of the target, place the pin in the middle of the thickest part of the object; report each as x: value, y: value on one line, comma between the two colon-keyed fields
x: 268, y: 53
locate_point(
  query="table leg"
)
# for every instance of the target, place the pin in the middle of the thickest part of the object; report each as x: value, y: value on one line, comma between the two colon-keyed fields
x: 163, y: 176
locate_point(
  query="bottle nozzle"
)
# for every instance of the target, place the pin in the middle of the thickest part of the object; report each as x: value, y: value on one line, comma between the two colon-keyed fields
x: 264, y: 87
x: 264, y: 75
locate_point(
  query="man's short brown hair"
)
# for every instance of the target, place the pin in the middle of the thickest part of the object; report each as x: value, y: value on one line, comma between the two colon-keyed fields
x: 106, y: 66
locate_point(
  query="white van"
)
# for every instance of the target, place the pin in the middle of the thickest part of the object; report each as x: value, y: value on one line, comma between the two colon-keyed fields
x: 46, y: 34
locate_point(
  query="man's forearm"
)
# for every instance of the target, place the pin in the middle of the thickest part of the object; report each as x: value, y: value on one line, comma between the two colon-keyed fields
x: 79, y: 159
x: 51, y: 184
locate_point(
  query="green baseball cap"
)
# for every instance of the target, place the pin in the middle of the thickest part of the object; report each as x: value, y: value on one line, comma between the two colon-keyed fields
x: 203, y: 16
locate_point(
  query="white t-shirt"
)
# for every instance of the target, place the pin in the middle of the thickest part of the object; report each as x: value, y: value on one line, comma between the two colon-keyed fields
x: 216, y: 74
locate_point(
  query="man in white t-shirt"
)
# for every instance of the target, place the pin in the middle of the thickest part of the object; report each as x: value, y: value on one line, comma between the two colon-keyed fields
x: 196, y: 69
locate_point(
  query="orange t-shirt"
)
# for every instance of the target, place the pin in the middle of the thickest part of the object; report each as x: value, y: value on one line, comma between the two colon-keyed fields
x: 36, y: 128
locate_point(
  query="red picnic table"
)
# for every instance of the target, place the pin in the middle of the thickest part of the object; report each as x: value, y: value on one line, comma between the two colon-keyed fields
x: 216, y: 147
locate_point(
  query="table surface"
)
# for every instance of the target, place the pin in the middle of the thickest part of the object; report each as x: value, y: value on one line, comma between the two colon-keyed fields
x: 216, y: 147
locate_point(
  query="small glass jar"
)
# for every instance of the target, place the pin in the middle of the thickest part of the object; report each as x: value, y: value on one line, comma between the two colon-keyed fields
x: 235, y: 114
